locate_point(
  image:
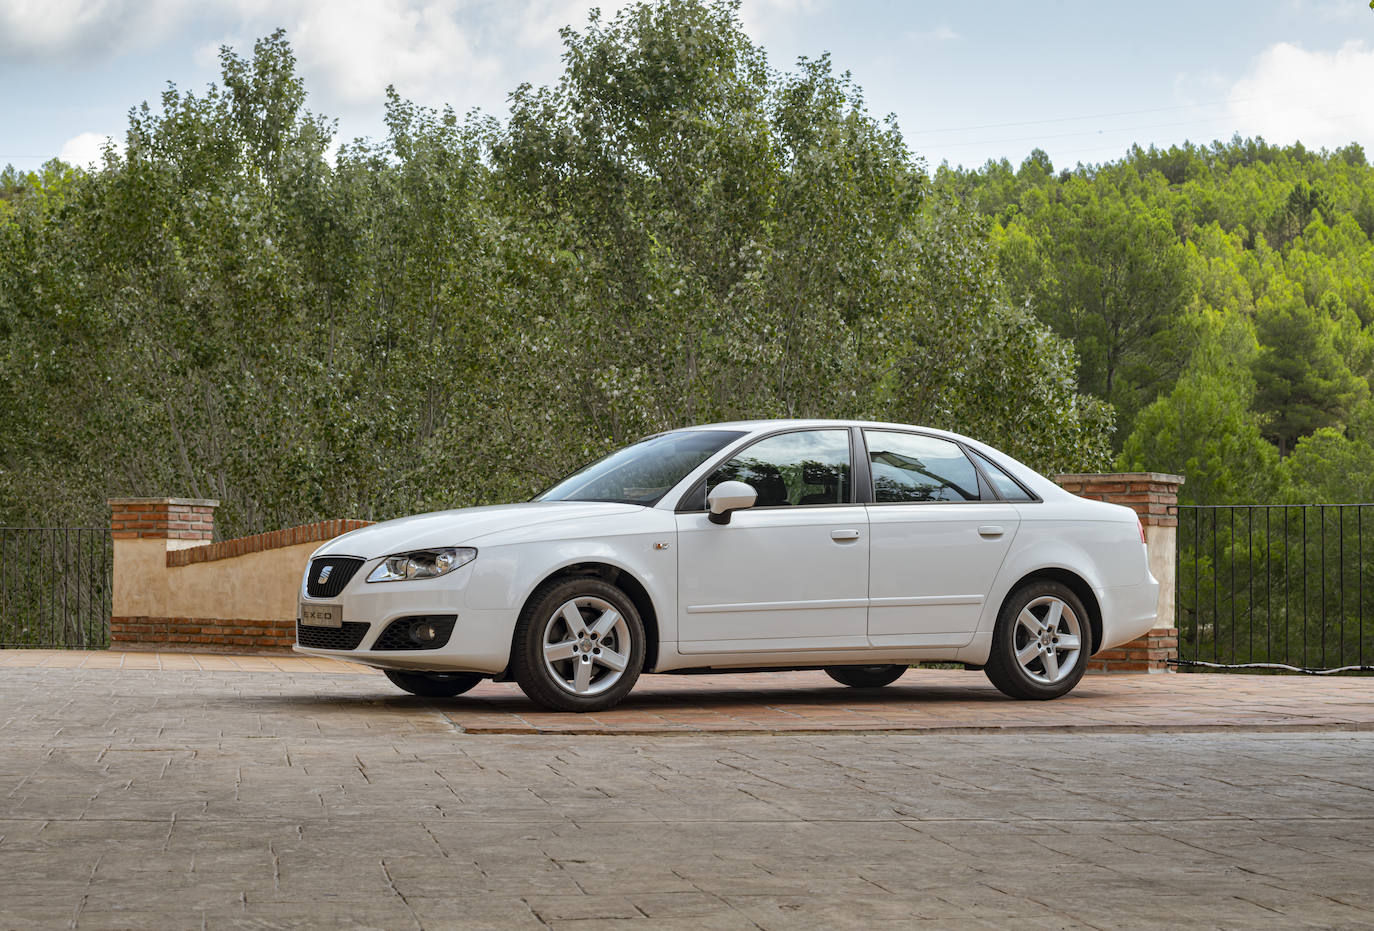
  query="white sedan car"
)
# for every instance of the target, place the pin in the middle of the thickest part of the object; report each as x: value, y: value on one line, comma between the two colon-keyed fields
x: 856, y: 548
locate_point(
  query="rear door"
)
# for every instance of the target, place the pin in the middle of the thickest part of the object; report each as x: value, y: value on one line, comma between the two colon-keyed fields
x: 939, y: 535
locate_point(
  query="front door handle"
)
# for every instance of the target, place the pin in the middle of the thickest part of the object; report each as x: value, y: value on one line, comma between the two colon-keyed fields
x: 844, y: 536
x: 990, y: 530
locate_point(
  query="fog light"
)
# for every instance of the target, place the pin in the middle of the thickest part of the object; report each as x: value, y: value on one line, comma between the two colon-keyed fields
x: 416, y: 632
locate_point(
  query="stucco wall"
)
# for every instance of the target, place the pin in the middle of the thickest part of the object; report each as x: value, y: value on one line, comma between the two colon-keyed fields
x: 259, y: 586
x: 1162, y: 545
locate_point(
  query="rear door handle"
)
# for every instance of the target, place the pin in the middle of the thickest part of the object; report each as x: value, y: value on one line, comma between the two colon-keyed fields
x: 844, y: 536
x: 990, y: 530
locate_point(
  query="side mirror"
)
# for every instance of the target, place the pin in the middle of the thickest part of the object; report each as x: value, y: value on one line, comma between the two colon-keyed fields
x: 728, y: 497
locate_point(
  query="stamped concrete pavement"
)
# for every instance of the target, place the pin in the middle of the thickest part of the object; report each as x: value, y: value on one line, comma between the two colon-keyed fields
x: 232, y: 798
x: 923, y: 701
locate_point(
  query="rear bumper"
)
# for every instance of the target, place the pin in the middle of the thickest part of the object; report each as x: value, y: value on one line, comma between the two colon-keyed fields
x: 1128, y: 612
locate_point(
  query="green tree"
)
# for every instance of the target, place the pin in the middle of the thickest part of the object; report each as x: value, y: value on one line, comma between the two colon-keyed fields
x: 1329, y: 467
x: 1204, y: 428
x: 1292, y: 216
x: 1120, y: 284
x: 1258, y: 223
x: 1303, y: 383
x: 457, y: 313
x: 749, y: 243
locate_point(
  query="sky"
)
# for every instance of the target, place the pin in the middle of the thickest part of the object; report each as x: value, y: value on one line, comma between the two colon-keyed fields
x: 966, y: 82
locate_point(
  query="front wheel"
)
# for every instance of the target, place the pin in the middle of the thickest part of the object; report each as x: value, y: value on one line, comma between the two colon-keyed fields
x: 433, y: 684
x: 1041, y: 644
x: 579, y: 645
x: 865, y: 677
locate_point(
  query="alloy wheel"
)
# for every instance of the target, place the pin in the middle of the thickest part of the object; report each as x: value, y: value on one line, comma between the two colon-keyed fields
x: 1048, y: 639
x: 586, y: 645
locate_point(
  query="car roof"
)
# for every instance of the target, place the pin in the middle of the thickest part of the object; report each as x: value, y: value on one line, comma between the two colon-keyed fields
x: 785, y: 423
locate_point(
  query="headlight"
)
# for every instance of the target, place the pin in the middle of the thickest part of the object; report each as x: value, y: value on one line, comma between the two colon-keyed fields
x: 422, y: 564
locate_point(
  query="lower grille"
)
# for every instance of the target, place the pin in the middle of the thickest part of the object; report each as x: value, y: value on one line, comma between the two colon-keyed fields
x: 346, y: 637
x: 397, y: 633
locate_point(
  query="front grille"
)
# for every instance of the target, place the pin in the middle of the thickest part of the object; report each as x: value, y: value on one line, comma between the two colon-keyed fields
x: 346, y: 637
x: 397, y: 633
x: 341, y: 569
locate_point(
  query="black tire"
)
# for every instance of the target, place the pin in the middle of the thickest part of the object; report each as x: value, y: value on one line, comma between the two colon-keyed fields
x: 1039, y: 678
x: 434, y: 684
x: 547, y: 682
x: 865, y: 677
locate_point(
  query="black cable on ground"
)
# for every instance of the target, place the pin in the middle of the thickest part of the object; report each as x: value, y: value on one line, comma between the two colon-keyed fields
x: 1305, y: 670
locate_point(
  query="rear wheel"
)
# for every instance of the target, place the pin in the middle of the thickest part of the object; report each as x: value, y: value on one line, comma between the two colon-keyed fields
x: 433, y: 684
x: 579, y: 645
x: 865, y: 677
x: 1041, y: 644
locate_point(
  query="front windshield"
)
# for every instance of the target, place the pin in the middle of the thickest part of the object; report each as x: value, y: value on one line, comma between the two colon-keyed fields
x: 642, y: 473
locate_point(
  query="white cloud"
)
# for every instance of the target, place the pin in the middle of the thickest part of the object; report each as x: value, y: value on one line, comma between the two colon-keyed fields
x: 466, y: 53
x: 87, y: 149
x: 357, y: 48
x: 45, y: 28
x: 762, y: 17
x: 462, y: 52
x: 1320, y: 98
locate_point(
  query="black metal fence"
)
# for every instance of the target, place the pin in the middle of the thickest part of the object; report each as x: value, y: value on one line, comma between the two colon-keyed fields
x: 55, y: 587
x: 1276, y: 586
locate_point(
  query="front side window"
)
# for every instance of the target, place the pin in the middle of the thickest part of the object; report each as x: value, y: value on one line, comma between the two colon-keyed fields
x: 793, y: 469
x: 908, y: 467
x: 644, y: 472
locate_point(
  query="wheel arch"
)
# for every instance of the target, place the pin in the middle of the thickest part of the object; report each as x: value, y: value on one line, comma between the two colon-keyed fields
x: 1074, y: 583
x: 618, y: 576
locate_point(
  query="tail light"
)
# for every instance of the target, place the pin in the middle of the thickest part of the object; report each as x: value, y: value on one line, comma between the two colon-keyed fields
x: 1141, y: 524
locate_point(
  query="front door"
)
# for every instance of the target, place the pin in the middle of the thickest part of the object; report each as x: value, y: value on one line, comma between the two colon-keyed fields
x: 790, y: 573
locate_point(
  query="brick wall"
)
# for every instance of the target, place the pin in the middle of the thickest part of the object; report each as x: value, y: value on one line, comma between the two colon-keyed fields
x: 177, y: 590
x: 1154, y: 497
x: 317, y: 532
x: 202, y: 635
x: 1149, y: 653
x: 162, y: 518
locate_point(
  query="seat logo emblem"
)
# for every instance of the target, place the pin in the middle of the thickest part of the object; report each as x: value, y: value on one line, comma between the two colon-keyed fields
x: 324, y: 575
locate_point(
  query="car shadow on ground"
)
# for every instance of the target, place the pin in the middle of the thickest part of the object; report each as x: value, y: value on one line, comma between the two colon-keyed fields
x: 666, y: 693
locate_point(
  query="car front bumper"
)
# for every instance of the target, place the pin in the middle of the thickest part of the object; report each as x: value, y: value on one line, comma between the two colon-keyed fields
x: 480, y: 640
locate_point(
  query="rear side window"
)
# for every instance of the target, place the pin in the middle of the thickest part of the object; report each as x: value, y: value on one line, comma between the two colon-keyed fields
x: 908, y: 467
x: 1006, y: 486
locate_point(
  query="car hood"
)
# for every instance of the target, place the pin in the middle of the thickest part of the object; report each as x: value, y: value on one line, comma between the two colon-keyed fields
x: 462, y: 527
